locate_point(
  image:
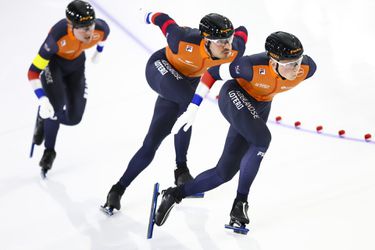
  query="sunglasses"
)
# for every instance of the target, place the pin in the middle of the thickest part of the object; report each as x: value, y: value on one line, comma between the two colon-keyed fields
x: 222, y: 42
x: 290, y: 64
x: 85, y: 28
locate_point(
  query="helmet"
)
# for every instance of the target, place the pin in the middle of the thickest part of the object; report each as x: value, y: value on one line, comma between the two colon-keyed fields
x: 215, y: 26
x: 80, y: 13
x: 283, y: 46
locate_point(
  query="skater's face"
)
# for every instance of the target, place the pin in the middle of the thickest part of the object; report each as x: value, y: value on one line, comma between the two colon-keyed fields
x: 287, y: 68
x: 220, y: 48
x: 84, y: 34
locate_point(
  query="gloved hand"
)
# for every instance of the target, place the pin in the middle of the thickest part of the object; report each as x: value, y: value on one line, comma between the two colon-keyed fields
x: 46, y: 109
x: 96, y: 57
x: 187, y: 118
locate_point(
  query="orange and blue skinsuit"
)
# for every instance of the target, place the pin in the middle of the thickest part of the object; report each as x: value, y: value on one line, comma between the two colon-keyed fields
x: 173, y: 73
x: 58, y: 72
x: 245, y: 102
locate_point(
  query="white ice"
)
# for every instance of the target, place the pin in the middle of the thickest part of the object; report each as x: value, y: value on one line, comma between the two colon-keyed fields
x: 312, y: 192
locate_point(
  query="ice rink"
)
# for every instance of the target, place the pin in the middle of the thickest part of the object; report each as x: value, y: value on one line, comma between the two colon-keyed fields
x: 312, y: 191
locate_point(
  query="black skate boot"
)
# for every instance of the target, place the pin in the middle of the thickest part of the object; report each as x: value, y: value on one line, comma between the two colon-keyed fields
x: 38, y: 135
x: 113, y: 199
x: 46, y: 162
x: 181, y: 176
x: 239, y: 212
x: 238, y: 217
x: 170, y: 198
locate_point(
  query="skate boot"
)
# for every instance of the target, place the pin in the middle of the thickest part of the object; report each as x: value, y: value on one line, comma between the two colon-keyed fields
x: 170, y: 198
x: 181, y: 176
x: 238, y: 217
x: 239, y: 212
x: 113, y: 199
x: 38, y: 135
x: 46, y: 162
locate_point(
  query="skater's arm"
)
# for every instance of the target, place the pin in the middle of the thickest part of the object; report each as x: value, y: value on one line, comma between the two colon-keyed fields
x: 103, y: 26
x: 165, y: 22
x: 40, y: 62
x: 204, y: 86
x: 186, y: 120
x: 170, y: 29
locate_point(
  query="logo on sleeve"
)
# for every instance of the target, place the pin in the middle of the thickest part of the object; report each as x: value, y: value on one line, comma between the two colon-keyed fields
x: 45, y: 46
x: 237, y: 69
x: 189, y: 48
x: 262, y: 71
x: 301, y: 72
x: 96, y: 36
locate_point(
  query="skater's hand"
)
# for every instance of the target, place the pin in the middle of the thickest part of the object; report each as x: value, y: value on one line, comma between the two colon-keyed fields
x: 46, y: 109
x: 146, y: 15
x: 97, y: 54
x: 187, y: 119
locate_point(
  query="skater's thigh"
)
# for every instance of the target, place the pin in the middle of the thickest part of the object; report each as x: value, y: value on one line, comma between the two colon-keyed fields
x: 53, y: 85
x: 164, y: 117
x: 241, y: 111
x: 76, y: 92
x: 168, y: 82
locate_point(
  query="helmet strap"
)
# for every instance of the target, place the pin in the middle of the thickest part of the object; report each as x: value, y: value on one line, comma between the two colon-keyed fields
x: 207, y: 45
x: 277, y: 70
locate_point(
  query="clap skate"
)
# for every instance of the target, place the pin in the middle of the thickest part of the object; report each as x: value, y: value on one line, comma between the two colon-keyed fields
x: 46, y: 162
x: 154, y: 201
x: 182, y: 176
x: 169, y: 199
x: 113, y: 199
x: 239, y: 218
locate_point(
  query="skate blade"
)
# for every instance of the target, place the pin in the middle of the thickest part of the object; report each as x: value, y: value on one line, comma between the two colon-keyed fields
x: 32, y: 150
x: 238, y: 230
x: 154, y: 202
x: 43, y: 174
x: 197, y: 195
x: 107, y: 210
x: 32, y: 140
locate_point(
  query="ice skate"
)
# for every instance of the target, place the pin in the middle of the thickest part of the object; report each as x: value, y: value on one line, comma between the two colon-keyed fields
x: 168, y: 201
x: 182, y: 176
x: 46, y: 162
x: 239, y: 217
x: 113, y: 199
x: 154, y: 203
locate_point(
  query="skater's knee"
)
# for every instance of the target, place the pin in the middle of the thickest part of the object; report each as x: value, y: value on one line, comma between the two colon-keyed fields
x: 75, y: 118
x: 151, y: 143
x: 262, y: 139
x: 154, y: 138
x: 225, y: 175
